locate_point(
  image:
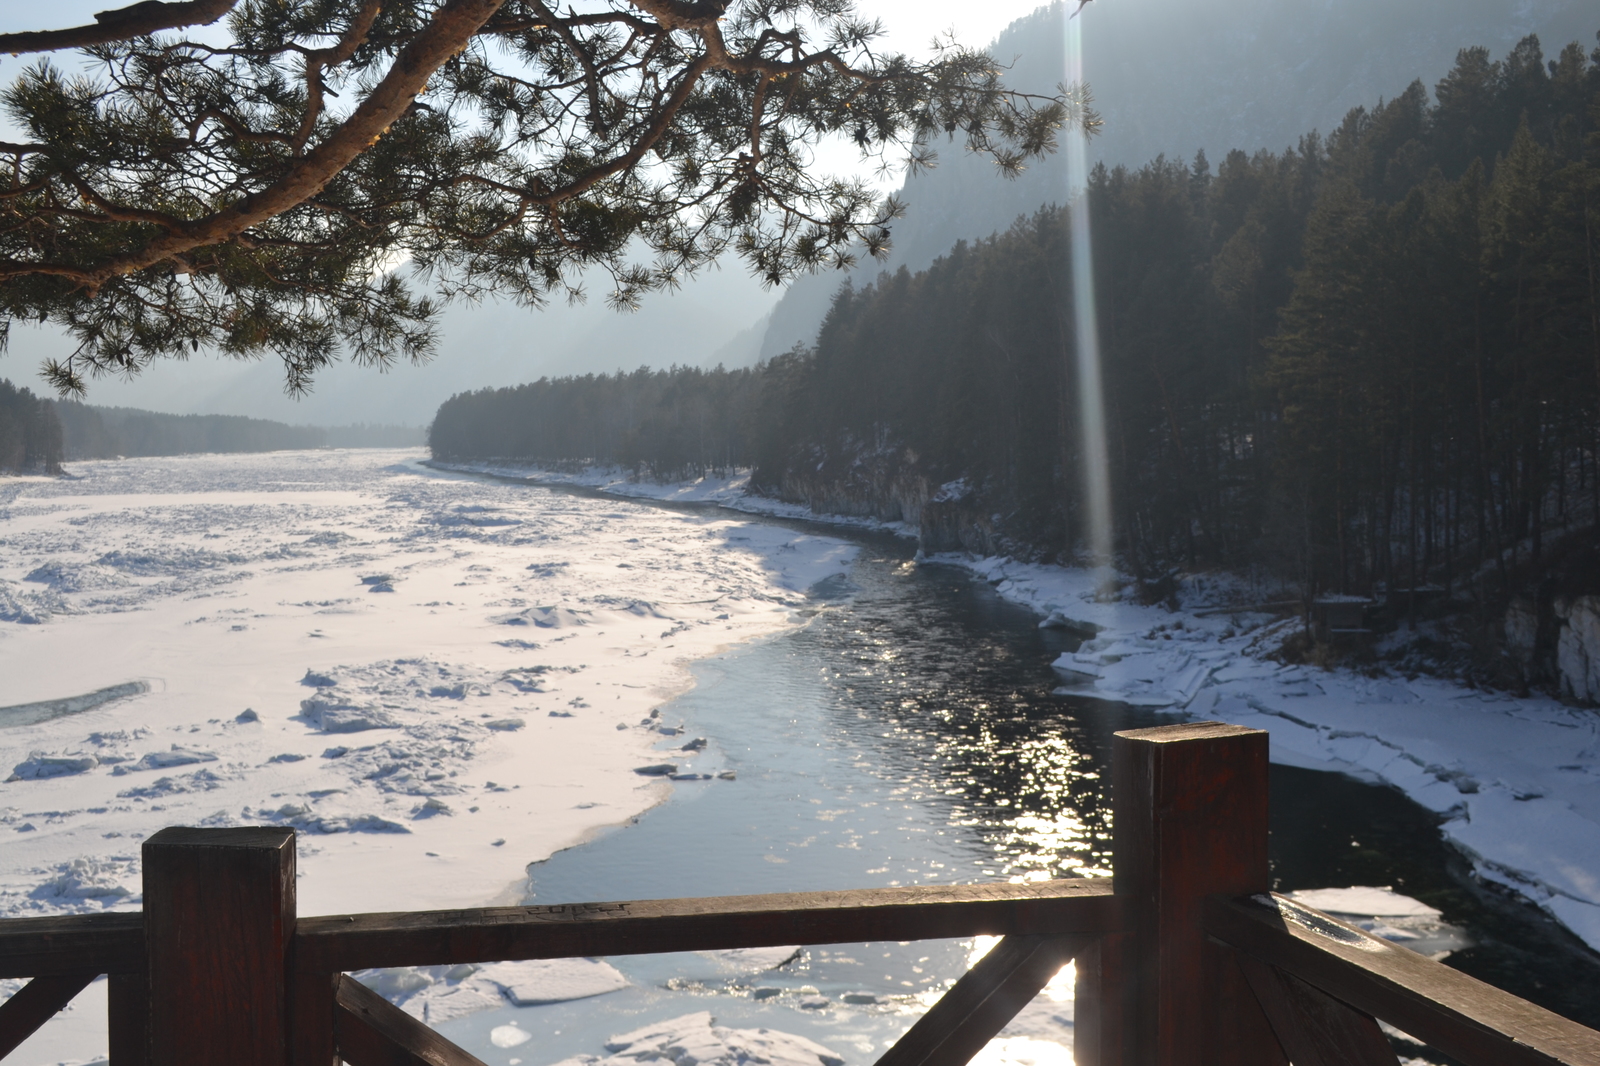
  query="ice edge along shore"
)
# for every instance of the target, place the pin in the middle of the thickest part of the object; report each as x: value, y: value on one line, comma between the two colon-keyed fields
x: 1516, y: 780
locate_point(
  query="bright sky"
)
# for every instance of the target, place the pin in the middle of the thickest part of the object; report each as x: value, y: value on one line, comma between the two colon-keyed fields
x: 912, y: 23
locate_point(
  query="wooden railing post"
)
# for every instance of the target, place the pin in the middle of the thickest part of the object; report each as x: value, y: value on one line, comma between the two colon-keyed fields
x: 1189, y: 821
x: 1100, y: 1021
x: 219, y: 909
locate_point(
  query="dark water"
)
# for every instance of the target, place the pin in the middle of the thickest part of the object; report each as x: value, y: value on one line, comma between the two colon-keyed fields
x: 908, y: 734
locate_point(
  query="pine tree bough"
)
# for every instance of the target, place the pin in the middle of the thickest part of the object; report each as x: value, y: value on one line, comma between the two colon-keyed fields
x: 283, y: 182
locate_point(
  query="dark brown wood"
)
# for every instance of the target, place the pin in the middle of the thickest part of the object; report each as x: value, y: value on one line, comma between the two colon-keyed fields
x: 34, y: 1004
x: 1100, y: 1017
x: 1459, y: 1015
x: 1190, y: 818
x: 311, y: 1000
x: 1314, y: 1028
x: 361, y: 941
x: 1234, y: 1017
x: 983, y: 1001
x: 128, y: 1019
x: 72, y: 944
x: 219, y: 915
x: 371, y: 1031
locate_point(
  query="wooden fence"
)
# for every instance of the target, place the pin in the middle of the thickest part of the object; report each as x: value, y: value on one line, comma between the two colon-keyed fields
x: 1186, y: 958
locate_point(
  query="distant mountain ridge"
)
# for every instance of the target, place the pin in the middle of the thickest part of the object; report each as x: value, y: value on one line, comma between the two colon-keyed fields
x: 1173, y: 78
x: 89, y: 432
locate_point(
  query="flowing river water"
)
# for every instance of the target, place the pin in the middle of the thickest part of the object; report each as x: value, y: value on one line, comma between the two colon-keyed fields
x: 907, y: 733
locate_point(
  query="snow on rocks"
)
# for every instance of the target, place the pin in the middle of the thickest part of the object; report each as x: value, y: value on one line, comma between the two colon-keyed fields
x: 696, y: 1040
x: 87, y: 885
x: 1578, y: 650
x: 162, y: 760
x: 40, y: 764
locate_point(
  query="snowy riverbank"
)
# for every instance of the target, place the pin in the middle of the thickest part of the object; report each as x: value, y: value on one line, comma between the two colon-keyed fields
x: 1517, y: 780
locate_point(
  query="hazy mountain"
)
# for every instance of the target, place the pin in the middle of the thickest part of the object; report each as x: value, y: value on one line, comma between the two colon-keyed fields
x: 719, y: 317
x: 1175, y: 77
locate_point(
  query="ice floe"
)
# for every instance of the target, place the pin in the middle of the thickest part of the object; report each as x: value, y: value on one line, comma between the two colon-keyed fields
x: 696, y: 1040
x: 1383, y: 912
x: 436, y: 994
x: 193, y: 641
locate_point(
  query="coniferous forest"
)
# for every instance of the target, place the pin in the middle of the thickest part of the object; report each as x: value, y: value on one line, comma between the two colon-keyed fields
x: 30, y: 434
x: 1368, y: 361
x: 666, y: 424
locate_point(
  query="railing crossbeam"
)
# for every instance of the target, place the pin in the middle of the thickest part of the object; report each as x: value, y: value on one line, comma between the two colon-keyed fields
x: 1457, y: 1014
x: 34, y: 1004
x: 983, y: 1001
x: 71, y: 944
x: 1085, y: 906
x: 1313, y: 1027
x: 371, y: 1031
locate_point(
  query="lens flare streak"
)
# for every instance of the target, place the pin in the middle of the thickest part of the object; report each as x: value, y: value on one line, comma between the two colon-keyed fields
x: 1091, y: 394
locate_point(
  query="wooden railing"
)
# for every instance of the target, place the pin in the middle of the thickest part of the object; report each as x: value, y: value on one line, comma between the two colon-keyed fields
x: 1186, y: 959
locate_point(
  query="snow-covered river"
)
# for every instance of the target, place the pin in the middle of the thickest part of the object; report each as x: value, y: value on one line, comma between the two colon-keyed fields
x: 449, y: 678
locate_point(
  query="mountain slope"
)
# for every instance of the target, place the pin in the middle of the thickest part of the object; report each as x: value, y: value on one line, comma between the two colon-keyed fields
x: 1174, y: 77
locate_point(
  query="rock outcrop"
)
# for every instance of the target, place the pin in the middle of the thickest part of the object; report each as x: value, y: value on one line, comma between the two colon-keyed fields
x: 1578, y: 647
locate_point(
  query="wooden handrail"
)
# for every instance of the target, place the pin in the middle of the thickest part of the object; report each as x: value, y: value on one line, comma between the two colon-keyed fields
x: 1457, y: 1014
x: 1186, y: 960
x: 71, y: 944
x: 114, y: 943
x: 1083, y: 906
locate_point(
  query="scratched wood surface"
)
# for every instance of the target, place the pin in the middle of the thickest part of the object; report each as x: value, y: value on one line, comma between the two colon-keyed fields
x: 1459, y: 1015
x: 359, y: 941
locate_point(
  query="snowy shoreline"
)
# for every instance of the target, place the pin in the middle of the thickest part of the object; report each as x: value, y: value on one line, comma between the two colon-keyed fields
x: 1516, y: 780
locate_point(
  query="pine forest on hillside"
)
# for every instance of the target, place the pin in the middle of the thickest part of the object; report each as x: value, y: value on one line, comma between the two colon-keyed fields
x: 1369, y: 361
x: 666, y: 424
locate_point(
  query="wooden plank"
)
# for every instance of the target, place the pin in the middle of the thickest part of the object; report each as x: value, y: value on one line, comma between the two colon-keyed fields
x: 128, y: 1019
x: 1459, y: 1015
x: 311, y: 1006
x: 1190, y: 820
x: 34, y: 1004
x: 371, y: 1031
x: 1235, y: 1017
x: 1314, y: 1028
x: 219, y: 914
x: 72, y: 944
x: 983, y: 1001
x: 360, y: 941
x: 1100, y: 1017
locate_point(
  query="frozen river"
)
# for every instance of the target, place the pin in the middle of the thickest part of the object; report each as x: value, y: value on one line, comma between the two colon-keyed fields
x: 867, y: 721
